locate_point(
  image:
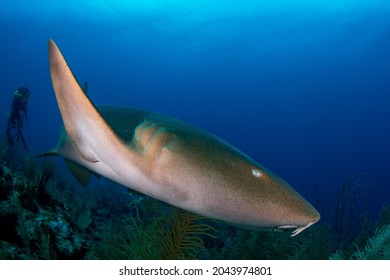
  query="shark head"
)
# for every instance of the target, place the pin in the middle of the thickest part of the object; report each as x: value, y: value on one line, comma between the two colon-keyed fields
x: 270, y: 202
x: 172, y: 161
x: 225, y: 184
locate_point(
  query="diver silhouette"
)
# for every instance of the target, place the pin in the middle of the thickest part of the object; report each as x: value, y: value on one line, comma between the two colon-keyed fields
x: 17, y: 116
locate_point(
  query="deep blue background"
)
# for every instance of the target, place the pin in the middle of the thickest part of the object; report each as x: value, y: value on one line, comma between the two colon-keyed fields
x: 303, y: 87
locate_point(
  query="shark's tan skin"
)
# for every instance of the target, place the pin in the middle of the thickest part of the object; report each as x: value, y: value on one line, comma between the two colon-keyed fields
x: 171, y: 161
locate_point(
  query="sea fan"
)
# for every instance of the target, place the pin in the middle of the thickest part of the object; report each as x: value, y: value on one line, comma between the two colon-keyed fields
x: 168, y: 233
x: 377, y: 247
x: 181, y: 236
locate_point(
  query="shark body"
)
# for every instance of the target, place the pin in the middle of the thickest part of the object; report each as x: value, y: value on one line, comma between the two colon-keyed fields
x: 171, y: 161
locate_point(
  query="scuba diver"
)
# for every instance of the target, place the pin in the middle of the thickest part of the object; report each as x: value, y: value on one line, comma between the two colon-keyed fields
x: 17, y: 116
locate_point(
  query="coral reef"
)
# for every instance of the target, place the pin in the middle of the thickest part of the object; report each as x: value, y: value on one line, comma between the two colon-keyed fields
x: 156, y: 231
x: 32, y: 221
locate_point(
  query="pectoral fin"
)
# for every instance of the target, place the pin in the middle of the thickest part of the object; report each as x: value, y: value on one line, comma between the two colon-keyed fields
x: 81, y: 173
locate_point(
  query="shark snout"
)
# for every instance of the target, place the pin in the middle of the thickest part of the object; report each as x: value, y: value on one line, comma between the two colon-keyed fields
x: 300, y: 221
x: 309, y: 220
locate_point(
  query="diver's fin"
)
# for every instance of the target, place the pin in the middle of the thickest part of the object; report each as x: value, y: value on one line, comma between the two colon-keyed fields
x: 81, y: 173
x: 22, y: 139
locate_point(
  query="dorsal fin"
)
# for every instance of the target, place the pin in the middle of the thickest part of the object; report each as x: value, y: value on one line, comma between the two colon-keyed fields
x: 85, y: 87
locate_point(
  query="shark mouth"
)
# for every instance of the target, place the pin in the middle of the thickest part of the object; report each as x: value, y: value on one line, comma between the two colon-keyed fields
x: 297, y: 230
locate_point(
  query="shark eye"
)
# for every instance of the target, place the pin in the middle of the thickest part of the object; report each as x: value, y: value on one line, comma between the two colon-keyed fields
x: 256, y: 173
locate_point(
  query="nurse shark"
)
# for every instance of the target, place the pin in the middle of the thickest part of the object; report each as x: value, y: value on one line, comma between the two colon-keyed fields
x: 171, y: 161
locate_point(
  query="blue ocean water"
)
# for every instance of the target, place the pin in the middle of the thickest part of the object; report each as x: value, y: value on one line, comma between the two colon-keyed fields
x: 300, y: 86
